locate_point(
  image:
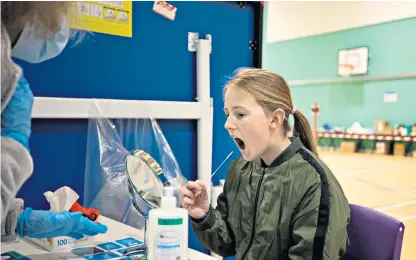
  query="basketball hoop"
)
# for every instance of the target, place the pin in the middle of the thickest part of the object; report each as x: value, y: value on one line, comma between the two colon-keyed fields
x: 345, y: 69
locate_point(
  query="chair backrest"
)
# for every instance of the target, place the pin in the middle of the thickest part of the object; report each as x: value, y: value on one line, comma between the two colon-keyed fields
x: 373, y: 235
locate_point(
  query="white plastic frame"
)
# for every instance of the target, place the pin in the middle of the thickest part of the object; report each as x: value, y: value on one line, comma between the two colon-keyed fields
x: 48, y: 107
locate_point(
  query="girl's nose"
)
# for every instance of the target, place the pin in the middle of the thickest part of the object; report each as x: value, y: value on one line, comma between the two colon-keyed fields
x: 229, y: 125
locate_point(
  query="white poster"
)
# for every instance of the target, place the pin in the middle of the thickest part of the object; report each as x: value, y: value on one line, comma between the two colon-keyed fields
x: 390, y: 96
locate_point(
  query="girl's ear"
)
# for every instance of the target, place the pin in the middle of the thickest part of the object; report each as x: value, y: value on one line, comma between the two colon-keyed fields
x: 277, y: 118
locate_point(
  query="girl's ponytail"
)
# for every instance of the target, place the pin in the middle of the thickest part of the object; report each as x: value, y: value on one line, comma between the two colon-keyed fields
x: 303, y: 129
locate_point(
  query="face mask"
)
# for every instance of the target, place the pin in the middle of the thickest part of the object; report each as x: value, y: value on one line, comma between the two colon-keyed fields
x: 34, y: 50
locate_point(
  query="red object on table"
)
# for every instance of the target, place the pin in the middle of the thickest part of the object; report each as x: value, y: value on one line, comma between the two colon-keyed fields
x: 92, y: 214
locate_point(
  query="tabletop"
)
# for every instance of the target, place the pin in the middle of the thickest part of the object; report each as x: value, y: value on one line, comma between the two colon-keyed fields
x: 116, y: 230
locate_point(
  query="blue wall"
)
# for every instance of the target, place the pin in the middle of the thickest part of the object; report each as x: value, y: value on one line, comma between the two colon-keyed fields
x: 156, y: 65
x: 391, y: 51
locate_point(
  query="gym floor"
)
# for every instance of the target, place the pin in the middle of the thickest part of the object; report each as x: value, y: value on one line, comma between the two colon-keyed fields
x: 385, y: 183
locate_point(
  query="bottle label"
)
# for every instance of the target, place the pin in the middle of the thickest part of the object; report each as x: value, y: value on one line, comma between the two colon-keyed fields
x: 169, y: 221
x: 168, y: 244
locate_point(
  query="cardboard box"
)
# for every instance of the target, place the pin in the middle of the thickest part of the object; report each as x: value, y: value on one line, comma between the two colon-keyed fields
x: 348, y: 147
x: 387, y: 131
x: 382, y: 148
x: 57, y: 244
x: 399, y: 149
x: 381, y: 126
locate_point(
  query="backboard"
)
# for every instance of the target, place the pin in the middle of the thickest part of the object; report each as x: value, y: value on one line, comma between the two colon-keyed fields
x: 353, y: 61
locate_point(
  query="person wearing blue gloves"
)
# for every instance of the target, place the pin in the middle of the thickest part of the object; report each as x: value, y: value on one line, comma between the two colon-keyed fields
x: 32, y: 31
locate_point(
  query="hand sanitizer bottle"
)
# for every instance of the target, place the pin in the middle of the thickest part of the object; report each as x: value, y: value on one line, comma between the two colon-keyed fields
x: 168, y: 230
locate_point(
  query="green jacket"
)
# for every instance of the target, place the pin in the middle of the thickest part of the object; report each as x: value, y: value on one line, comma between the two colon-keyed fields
x: 291, y: 209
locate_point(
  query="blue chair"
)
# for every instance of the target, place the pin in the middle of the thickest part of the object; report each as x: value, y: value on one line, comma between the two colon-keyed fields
x: 373, y: 235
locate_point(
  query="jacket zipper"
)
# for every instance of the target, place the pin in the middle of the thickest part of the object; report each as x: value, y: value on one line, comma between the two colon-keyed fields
x: 254, y: 216
x: 279, y: 244
x: 280, y: 219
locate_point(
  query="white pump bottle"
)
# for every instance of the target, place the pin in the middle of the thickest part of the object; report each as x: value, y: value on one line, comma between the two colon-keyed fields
x: 168, y: 230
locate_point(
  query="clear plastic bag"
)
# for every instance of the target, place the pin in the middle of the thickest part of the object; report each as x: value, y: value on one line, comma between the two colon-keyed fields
x: 106, y: 181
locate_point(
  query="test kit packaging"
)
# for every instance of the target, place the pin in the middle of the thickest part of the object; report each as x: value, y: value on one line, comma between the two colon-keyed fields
x: 64, y: 243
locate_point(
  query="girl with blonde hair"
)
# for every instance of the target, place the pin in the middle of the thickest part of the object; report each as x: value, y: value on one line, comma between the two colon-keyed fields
x: 280, y: 201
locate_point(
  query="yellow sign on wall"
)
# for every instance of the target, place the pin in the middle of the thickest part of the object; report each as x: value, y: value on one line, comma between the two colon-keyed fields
x: 110, y: 17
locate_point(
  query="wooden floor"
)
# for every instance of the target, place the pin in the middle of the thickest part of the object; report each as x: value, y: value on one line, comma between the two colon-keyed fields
x: 386, y: 183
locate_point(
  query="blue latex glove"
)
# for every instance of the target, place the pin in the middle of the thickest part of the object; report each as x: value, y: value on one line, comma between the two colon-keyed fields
x: 47, y: 224
x: 16, y: 118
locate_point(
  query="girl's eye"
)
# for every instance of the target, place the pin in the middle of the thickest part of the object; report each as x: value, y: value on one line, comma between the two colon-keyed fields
x: 240, y: 115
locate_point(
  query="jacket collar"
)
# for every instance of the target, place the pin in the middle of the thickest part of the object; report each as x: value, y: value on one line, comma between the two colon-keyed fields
x: 284, y: 156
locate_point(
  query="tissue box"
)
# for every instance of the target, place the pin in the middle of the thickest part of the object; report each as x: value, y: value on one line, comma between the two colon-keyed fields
x: 61, y: 243
x: 63, y: 199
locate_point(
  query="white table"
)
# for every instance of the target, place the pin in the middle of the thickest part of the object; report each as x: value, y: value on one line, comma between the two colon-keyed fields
x: 116, y: 230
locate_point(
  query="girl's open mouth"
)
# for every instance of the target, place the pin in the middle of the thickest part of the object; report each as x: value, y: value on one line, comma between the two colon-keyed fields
x: 240, y: 143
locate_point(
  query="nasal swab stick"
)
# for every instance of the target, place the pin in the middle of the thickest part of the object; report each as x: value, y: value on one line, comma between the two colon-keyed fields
x: 226, y: 158
x: 216, y: 170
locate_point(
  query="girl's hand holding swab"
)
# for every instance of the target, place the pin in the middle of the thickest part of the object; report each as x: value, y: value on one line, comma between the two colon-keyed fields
x: 216, y: 170
x: 197, y: 206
